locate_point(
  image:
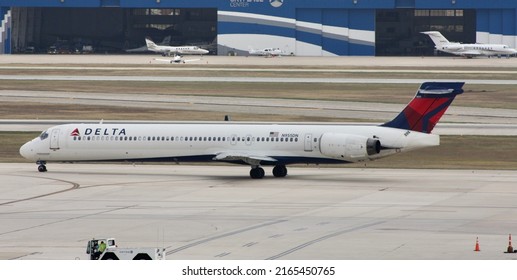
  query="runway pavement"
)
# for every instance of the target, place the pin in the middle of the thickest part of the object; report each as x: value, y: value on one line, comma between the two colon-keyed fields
x: 334, y: 61
x: 248, y: 79
x: 218, y: 213
x: 457, y: 120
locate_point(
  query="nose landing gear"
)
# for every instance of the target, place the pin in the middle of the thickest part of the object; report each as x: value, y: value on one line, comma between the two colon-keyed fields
x: 41, y: 166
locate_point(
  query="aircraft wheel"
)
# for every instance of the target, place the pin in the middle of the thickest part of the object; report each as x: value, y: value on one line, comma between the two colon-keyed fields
x: 280, y: 171
x: 257, y: 173
x: 42, y: 168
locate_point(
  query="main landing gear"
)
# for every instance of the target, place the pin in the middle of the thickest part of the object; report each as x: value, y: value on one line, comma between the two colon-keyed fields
x: 41, y: 166
x: 257, y: 172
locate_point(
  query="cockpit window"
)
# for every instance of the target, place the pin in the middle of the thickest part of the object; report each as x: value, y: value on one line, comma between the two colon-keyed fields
x: 44, y: 135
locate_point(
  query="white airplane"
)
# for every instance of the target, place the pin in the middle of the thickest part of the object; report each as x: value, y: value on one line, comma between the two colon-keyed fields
x: 177, y: 59
x: 169, y: 50
x: 255, y: 144
x: 268, y: 52
x: 468, y: 50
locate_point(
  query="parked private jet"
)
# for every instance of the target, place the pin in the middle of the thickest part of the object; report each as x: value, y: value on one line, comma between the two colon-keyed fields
x: 468, y: 50
x: 255, y: 144
x: 268, y: 52
x: 170, y: 50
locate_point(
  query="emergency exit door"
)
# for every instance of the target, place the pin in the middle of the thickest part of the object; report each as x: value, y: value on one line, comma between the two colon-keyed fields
x: 308, y: 143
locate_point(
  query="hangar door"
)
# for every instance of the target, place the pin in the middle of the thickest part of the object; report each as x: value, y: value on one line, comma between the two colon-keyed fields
x: 397, y: 31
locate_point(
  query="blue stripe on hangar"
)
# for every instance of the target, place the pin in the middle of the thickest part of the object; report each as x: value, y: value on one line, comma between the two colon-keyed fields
x: 251, y: 28
x: 497, y: 21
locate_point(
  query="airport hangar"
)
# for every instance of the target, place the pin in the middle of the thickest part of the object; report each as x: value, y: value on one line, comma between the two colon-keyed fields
x: 299, y: 27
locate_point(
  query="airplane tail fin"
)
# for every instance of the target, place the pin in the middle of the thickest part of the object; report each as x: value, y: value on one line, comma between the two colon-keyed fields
x: 150, y: 44
x: 437, y: 37
x: 427, y: 107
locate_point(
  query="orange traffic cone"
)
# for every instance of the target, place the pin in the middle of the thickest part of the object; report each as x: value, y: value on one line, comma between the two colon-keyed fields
x: 510, y: 248
x: 477, y: 245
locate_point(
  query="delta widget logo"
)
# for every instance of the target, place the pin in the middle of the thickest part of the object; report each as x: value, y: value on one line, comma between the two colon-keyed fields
x: 75, y: 132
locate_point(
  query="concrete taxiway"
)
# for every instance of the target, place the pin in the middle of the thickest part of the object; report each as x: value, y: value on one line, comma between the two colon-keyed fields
x: 334, y: 61
x: 218, y: 213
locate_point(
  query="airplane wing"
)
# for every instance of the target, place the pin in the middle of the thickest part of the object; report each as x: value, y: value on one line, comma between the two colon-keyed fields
x: 469, y: 53
x: 176, y: 61
x: 251, y: 159
x: 191, y: 60
x: 165, y: 60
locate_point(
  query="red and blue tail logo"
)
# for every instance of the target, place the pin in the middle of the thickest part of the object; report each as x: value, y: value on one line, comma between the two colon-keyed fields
x: 425, y: 110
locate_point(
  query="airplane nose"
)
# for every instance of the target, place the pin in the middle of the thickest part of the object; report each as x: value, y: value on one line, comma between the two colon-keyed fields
x: 26, y: 150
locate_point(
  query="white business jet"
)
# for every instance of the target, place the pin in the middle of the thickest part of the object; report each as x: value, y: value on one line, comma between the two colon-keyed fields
x: 268, y: 52
x: 255, y: 144
x: 170, y: 50
x: 469, y: 50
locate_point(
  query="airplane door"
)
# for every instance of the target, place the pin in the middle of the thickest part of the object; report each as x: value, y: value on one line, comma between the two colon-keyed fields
x: 308, y: 143
x: 54, y: 139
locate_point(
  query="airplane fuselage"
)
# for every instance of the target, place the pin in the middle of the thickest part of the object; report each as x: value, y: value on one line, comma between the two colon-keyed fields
x: 482, y: 49
x: 280, y: 144
x: 188, y: 50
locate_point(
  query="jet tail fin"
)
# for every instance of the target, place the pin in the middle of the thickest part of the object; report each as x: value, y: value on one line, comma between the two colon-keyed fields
x: 150, y: 44
x: 427, y: 107
x: 437, y: 37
